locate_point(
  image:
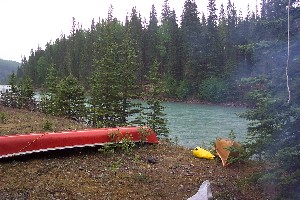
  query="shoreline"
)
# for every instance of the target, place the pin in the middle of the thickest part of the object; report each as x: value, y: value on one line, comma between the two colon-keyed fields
x: 200, y: 102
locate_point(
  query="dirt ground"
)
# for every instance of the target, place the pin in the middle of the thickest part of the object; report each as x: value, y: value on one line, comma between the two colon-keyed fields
x: 163, y: 171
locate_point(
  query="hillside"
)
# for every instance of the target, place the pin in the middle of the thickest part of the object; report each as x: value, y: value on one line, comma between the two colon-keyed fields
x: 88, y: 173
x: 6, y: 68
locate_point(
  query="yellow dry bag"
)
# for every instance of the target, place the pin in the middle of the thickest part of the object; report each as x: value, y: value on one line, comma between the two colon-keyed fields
x: 202, y: 153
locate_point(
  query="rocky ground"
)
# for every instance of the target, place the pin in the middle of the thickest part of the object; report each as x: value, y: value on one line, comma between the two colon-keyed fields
x: 163, y: 171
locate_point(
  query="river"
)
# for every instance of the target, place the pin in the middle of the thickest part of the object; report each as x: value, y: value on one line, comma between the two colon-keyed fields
x: 194, y: 125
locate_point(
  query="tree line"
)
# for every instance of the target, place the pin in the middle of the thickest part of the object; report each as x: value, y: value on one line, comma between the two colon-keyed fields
x: 199, y: 56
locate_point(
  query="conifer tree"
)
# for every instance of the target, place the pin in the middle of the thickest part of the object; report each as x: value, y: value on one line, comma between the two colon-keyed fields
x: 10, y: 97
x: 89, y: 54
x: 105, y: 88
x: 41, y: 70
x: 48, y: 98
x: 62, y: 57
x: 134, y: 30
x: 20, y: 95
x: 31, y: 69
x: 174, y: 48
x: 151, y: 41
x: 222, y: 33
x: 192, y: 46
x: 230, y: 43
x: 273, y: 136
x: 154, y: 111
x: 105, y: 85
x: 213, y: 49
x: 12, y: 81
x: 169, y: 48
x: 26, y: 94
x: 70, y: 99
x: 129, y: 87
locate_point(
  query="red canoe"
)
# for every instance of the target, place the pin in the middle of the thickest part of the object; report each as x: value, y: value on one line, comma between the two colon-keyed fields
x: 11, y: 145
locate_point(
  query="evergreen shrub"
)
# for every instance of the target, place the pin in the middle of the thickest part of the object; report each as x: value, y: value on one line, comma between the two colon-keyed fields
x: 213, y: 90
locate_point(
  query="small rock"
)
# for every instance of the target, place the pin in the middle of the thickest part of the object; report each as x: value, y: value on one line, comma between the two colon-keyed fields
x: 151, y: 160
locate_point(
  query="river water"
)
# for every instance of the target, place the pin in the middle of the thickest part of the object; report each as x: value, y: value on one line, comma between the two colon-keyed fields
x: 194, y: 125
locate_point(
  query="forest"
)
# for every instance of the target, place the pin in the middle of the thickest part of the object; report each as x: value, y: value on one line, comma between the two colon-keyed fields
x: 224, y: 56
x: 199, y: 56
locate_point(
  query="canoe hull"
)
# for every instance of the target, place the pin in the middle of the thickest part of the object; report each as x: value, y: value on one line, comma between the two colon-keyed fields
x: 12, y: 145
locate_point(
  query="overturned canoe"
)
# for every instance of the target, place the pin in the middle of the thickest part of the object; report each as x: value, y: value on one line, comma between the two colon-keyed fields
x: 12, y: 145
x: 223, y: 149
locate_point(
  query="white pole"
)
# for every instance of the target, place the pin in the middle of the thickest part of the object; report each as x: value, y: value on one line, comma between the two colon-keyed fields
x: 288, y: 56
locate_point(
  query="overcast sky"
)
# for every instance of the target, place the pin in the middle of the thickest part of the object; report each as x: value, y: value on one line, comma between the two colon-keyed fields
x: 25, y: 24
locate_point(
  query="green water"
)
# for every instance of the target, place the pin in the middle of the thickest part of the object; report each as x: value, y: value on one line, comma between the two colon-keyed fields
x: 198, y: 125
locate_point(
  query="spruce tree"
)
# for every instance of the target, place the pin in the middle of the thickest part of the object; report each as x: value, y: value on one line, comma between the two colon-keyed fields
x: 274, y: 137
x: 48, y: 98
x: 89, y: 54
x: 41, y: 70
x: 11, y: 97
x: 70, y: 99
x: 193, y: 44
x: 105, y: 83
x: 213, y: 49
x: 105, y: 87
x: 169, y: 48
x: 129, y: 87
x: 134, y: 29
x: 151, y: 41
x: 26, y: 94
x: 154, y: 111
x: 230, y: 39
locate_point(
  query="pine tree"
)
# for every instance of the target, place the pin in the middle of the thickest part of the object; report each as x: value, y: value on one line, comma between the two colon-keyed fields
x: 26, y: 94
x: 106, y: 85
x: 41, y: 70
x: 229, y: 50
x: 151, y: 41
x: 273, y: 136
x: 48, y: 98
x: 213, y: 54
x: 263, y: 12
x: 20, y: 95
x: 51, y: 80
x: 193, y: 44
x: 134, y: 30
x: 274, y: 19
x: 13, y: 83
x: 89, y: 54
x: 75, y: 49
x: 105, y: 88
x: 31, y: 69
x: 10, y: 98
x: 222, y: 34
x: 154, y: 111
x: 171, y: 40
x: 129, y: 87
x: 70, y: 99
x: 62, y: 57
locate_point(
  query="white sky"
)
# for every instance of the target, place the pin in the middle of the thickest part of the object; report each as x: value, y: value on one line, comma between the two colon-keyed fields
x: 25, y: 24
